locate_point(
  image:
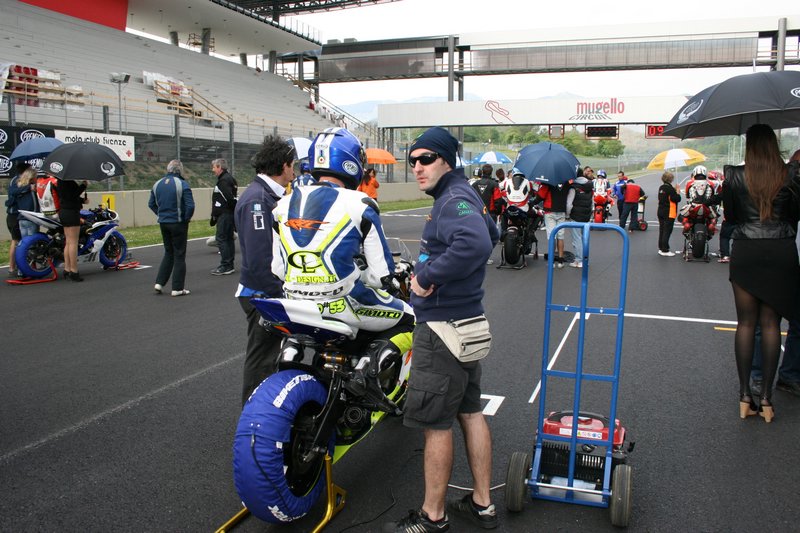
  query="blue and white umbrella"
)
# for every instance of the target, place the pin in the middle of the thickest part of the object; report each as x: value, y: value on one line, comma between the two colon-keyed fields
x: 493, y: 158
x: 35, y: 148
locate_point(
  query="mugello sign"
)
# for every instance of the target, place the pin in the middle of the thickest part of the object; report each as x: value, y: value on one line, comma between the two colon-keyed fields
x: 542, y: 111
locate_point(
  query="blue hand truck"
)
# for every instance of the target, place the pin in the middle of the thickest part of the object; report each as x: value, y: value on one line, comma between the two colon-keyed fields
x: 578, y: 457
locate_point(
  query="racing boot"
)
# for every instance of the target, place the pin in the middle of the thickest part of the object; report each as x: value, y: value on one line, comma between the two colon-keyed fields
x: 380, y: 355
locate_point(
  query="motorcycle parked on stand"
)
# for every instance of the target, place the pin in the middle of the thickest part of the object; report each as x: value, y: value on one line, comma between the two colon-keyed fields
x: 317, y: 404
x: 519, y: 222
x: 37, y: 255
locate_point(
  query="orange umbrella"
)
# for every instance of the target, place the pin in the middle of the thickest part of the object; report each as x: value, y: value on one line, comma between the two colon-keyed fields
x: 379, y: 156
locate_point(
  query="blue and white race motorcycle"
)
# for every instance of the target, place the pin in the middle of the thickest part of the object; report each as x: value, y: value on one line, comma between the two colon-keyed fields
x: 37, y: 255
x: 317, y: 404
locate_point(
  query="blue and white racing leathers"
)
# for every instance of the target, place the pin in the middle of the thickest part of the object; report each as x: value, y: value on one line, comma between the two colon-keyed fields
x: 321, y: 229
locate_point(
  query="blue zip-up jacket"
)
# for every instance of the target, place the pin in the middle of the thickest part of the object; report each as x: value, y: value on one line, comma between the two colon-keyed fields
x: 457, y: 239
x: 171, y: 199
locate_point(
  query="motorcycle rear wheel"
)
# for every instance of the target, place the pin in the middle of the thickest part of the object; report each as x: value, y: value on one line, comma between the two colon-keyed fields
x: 274, y: 433
x: 699, y: 241
x: 32, y: 256
x: 512, y: 247
x: 114, y: 250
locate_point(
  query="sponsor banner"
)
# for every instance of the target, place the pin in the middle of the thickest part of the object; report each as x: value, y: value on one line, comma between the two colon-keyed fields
x: 123, y: 145
x: 10, y: 137
x: 542, y: 111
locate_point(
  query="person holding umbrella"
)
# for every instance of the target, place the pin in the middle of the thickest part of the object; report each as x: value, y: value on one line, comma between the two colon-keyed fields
x: 71, y: 196
x: 761, y: 201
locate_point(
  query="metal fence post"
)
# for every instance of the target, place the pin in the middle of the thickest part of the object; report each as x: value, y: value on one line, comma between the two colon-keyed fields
x: 232, y: 158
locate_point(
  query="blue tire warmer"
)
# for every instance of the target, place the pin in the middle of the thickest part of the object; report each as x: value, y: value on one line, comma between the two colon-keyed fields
x: 258, y: 448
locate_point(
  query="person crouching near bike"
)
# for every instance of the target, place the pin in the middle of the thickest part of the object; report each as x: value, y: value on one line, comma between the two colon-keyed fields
x: 323, y: 228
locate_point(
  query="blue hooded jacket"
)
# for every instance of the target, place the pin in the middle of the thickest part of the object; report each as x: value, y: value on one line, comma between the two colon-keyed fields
x: 457, y: 239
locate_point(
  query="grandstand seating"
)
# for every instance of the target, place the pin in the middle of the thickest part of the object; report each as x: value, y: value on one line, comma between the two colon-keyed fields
x: 85, y: 54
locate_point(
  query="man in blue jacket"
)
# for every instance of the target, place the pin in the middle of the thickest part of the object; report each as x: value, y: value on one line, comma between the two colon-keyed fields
x: 171, y: 199
x: 457, y: 239
x: 253, y: 217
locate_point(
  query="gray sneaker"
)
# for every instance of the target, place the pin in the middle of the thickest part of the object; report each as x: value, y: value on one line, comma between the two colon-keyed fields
x: 222, y: 271
x: 483, y: 518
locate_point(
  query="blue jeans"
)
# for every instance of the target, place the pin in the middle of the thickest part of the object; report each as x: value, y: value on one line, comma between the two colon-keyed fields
x: 789, y: 370
x: 224, y: 236
x: 174, y: 260
x: 26, y: 227
x: 577, y: 243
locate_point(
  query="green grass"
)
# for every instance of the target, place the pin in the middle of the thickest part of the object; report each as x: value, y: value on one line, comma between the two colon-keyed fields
x: 145, y: 235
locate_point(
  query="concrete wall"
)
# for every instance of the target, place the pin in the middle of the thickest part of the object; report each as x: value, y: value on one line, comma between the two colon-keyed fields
x: 133, y: 210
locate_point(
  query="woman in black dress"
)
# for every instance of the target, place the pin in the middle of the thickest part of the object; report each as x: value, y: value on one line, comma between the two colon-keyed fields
x: 70, y: 196
x: 762, y: 201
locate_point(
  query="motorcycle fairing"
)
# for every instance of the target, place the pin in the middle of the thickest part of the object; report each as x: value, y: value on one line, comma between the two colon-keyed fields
x: 301, y: 317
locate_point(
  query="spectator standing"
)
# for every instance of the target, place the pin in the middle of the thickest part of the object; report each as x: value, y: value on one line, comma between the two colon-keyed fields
x: 631, y: 195
x: 369, y: 184
x: 761, y: 201
x: 253, y: 215
x: 618, y: 192
x: 789, y: 371
x: 71, y: 199
x: 490, y: 194
x: 172, y: 201
x: 223, y: 202
x: 579, y: 209
x: 15, y: 191
x: 456, y: 241
x: 555, y: 212
x: 668, y: 199
x: 26, y: 201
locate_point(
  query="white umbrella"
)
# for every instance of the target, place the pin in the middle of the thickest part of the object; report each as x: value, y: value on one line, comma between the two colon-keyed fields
x: 301, y: 145
x: 677, y: 157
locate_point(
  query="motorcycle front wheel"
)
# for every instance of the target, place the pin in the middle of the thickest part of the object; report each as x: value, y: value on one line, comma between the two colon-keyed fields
x: 32, y: 256
x: 114, y: 250
x: 276, y: 476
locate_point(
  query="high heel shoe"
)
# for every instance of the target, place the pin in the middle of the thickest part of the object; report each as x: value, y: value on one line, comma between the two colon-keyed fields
x: 74, y: 276
x: 747, y: 407
x: 766, y: 410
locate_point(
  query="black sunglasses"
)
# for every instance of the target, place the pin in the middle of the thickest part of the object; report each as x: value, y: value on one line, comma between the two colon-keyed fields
x: 426, y: 159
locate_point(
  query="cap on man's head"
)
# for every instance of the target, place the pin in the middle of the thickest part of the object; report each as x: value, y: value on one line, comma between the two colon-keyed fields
x: 438, y: 140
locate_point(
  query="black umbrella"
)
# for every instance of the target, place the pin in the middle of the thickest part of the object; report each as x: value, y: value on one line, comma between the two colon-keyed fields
x: 83, y: 161
x: 730, y: 107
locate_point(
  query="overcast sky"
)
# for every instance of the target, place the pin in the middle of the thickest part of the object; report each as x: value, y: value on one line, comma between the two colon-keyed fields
x: 417, y: 18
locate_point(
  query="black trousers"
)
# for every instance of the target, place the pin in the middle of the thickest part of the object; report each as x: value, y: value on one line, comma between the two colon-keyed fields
x: 262, y: 351
x: 174, y: 261
x: 665, y: 226
x: 224, y: 236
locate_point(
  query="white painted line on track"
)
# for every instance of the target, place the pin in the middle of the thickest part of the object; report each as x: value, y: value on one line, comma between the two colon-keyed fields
x: 556, y: 354
x: 627, y: 315
x: 114, y: 410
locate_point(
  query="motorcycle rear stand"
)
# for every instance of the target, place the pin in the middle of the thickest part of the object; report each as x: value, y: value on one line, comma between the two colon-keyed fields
x: 335, y: 497
x: 32, y: 281
x: 557, y: 449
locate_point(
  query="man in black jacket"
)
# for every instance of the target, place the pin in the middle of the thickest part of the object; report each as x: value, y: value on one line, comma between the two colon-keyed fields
x: 253, y: 214
x: 223, y: 202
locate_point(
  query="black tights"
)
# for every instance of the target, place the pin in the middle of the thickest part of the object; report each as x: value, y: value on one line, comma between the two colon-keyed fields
x: 749, y: 312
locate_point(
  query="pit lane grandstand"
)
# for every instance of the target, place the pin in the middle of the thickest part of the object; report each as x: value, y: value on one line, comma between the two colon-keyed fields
x: 88, y: 74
